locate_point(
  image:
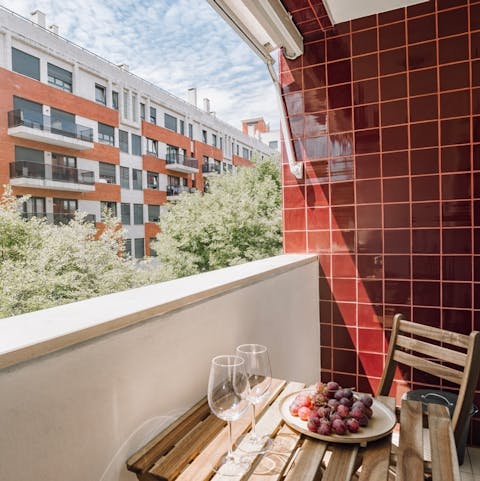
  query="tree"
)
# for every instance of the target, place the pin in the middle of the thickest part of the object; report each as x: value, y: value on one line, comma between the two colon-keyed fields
x: 44, y: 265
x: 237, y: 220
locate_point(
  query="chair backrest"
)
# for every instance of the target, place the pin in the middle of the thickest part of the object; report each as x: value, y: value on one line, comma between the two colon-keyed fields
x: 453, y: 357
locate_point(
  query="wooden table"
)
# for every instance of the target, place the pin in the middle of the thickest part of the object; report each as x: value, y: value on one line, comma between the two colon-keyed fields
x: 192, y: 446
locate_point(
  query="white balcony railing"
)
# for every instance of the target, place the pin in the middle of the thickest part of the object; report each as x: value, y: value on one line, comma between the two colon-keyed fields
x: 86, y: 384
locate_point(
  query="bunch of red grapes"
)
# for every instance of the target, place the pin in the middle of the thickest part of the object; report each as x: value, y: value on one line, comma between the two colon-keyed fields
x: 330, y: 409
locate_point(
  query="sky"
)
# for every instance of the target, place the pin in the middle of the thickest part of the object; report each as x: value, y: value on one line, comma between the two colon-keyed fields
x: 176, y: 44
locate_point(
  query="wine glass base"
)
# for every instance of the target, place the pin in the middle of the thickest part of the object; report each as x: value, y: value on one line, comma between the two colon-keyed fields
x: 232, y: 467
x: 254, y: 444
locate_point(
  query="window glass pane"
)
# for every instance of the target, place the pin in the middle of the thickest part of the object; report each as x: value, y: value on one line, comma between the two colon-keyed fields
x: 107, y: 172
x: 139, y: 248
x: 127, y: 249
x: 214, y: 140
x: 190, y: 131
x: 125, y: 214
x: 32, y: 112
x: 125, y: 104
x: 153, y: 213
x: 134, y: 107
x: 25, y: 64
x: 273, y: 144
x: 152, y: 180
x: 125, y: 177
x: 115, y: 100
x: 29, y: 155
x: 153, y: 115
x: 170, y: 122
x: 136, y: 145
x: 182, y: 127
x: 123, y: 140
x: 100, y: 94
x: 59, y: 77
x: 152, y: 147
x: 204, y: 136
x: 106, y: 134
x: 137, y: 179
x: 142, y: 111
x: 138, y: 214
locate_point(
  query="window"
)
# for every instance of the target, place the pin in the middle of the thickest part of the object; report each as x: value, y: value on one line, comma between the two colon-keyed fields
x: 139, y: 248
x: 152, y: 180
x: 34, y: 207
x: 244, y: 153
x: 106, y: 134
x: 29, y: 155
x: 136, y: 145
x: 138, y: 214
x: 273, y: 144
x: 114, y: 100
x: 172, y: 154
x: 134, y: 107
x: 153, y: 252
x: 127, y: 247
x: 170, y: 122
x: 153, y: 115
x: 190, y: 131
x: 238, y: 149
x: 204, y: 136
x: 32, y: 113
x: 59, y: 77
x: 153, y: 213
x: 137, y: 179
x: 64, y: 210
x: 214, y: 140
x: 25, y: 64
x: 125, y: 104
x: 100, y: 94
x: 221, y: 143
x: 182, y: 127
x: 152, y: 147
x: 123, y: 140
x: 125, y: 214
x: 109, y: 206
x: 125, y: 177
x: 107, y: 172
x: 142, y: 111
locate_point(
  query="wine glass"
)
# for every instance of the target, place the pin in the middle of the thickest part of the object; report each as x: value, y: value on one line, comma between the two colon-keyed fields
x: 257, y: 366
x: 228, y: 390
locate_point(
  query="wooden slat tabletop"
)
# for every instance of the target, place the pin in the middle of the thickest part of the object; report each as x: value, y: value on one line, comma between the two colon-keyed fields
x: 191, y: 448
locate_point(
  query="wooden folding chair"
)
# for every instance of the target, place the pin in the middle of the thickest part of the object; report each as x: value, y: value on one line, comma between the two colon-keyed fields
x: 429, y: 349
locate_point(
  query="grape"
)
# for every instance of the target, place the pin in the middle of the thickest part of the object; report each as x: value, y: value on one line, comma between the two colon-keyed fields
x: 339, y: 394
x: 343, y: 411
x: 325, y: 428
x: 353, y: 425
x: 346, y: 402
x: 338, y: 427
x: 324, y: 411
x: 367, y: 400
x: 357, y: 413
x: 368, y: 412
x: 363, y: 421
x: 333, y: 403
x: 348, y: 393
x: 304, y: 412
x: 313, y: 424
x: 358, y: 405
x: 294, y: 407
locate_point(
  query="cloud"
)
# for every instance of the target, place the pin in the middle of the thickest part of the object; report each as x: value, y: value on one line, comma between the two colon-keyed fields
x: 175, y: 44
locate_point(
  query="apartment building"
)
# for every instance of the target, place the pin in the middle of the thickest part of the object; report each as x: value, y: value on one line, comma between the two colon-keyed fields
x: 80, y: 133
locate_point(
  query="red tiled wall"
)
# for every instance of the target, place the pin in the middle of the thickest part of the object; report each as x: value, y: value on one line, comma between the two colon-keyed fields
x: 385, y: 113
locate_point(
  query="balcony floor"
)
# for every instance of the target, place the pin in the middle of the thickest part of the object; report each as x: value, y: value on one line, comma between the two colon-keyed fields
x: 470, y: 469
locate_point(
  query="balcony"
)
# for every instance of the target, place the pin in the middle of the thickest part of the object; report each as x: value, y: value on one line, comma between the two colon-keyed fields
x: 209, y: 169
x: 175, y: 190
x: 45, y: 176
x: 84, y: 385
x: 58, y: 218
x: 181, y: 163
x: 31, y: 125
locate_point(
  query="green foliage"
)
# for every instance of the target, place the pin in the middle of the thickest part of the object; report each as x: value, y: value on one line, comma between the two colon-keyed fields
x: 238, y: 220
x: 43, y: 265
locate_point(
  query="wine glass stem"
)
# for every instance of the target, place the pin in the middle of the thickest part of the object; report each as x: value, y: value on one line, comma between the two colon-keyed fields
x: 254, y: 425
x: 230, y: 441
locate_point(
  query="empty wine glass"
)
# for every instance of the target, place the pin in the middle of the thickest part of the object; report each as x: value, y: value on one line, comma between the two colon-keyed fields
x: 228, y: 390
x: 257, y: 366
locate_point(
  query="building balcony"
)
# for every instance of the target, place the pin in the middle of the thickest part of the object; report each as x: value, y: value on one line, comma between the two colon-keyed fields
x: 58, y: 218
x: 30, y: 125
x: 209, y: 169
x: 174, y: 191
x: 86, y: 384
x: 181, y: 163
x: 45, y: 176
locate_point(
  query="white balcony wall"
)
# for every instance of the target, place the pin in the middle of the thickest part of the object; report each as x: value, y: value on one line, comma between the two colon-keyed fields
x: 85, y: 385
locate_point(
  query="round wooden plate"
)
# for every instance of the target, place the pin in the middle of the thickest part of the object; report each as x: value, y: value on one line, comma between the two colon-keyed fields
x: 382, y: 423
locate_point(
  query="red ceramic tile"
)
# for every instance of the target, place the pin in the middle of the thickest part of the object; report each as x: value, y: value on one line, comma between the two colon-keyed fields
x: 294, y: 219
x: 455, y: 104
x: 342, y: 338
x: 475, y: 17
x: 395, y: 164
x: 426, y: 267
x: 426, y: 241
x: 393, y: 61
x: 396, y: 215
x: 426, y: 187
x: 424, y: 108
x: 420, y: 9
x: 453, y: 49
x: 457, y: 241
x: 476, y: 101
x: 422, y: 55
x: 369, y: 216
x: 315, y: 100
x: 367, y: 141
x: 394, y: 113
x: 343, y: 241
x: 393, y: 87
x: 315, y: 147
x: 367, y: 166
x: 339, y: 97
x: 369, y: 241
x: 343, y: 265
x: 344, y: 313
x: 370, y: 266
x: 324, y: 289
x: 373, y: 364
x: 339, y: 72
x: 397, y: 292
x: 366, y: 116
x: 396, y: 241
x: 456, y: 186
x: 457, y: 294
x: 324, y: 265
x: 424, y: 161
x: 294, y: 103
x: 291, y: 80
x: 448, y: 4
x: 396, y: 190
x: 325, y: 334
x: 392, y: 35
x: 457, y: 268
x: 425, y: 214
x: 338, y: 48
x: 315, y: 124
x: 371, y: 340
x: 368, y: 192
x: 317, y: 172
x: 370, y: 315
x: 396, y: 267
x: 364, y: 23
x: 343, y: 217
x: 394, y: 138
x: 318, y: 218
x: 364, y: 42
x: 365, y: 67
x: 455, y: 158
x: 314, y: 53
x: 287, y: 177
x: 370, y: 291
x: 294, y: 242
x: 452, y: 22
x: 318, y: 241
x: 457, y: 320
x: 344, y: 289
x: 342, y: 193
x: 454, y: 76
x: 424, y: 134
x: 366, y: 91
x: 455, y: 131
x: 341, y: 168
x: 294, y: 197
x: 426, y: 293
x: 428, y: 316
x: 456, y: 214
x: 314, y: 77
x: 423, y: 81
x: 340, y: 120
x: 421, y: 29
